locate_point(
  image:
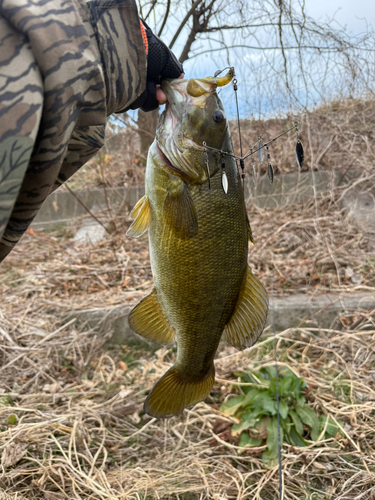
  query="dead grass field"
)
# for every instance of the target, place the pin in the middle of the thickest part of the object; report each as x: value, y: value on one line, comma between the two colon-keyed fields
x: 72, y: 424
x: 71, y: 418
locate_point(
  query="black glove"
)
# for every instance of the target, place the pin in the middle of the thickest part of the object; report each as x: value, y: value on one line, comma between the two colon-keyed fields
x: 161, y: 63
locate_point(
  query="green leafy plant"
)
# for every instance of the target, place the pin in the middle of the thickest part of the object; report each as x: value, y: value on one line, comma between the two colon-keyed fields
x: 256, y: 410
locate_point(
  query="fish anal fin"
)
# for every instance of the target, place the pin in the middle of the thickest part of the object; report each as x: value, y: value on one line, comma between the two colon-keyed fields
x: 174, y: 392
x: 250, y: 313
x: 179, y: 210
x: 141, y: 214
x: 148, y: 320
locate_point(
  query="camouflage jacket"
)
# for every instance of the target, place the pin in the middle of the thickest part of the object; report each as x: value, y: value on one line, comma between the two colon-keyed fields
x: 65, y: 65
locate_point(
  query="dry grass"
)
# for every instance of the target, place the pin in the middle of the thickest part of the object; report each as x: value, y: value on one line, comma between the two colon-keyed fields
x: 61, y: 273
x: 72, y: 424
x: 71, y: 419
x: 337, y: 136
x: 310, y: 248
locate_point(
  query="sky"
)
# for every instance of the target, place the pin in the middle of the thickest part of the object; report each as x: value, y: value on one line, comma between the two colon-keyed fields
x: 350, y: 13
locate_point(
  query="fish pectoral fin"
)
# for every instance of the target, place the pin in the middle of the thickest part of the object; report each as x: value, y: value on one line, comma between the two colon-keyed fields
x: 250, y: 313
x: 179, y: 210
x: 249, y: 231
x: 141, y: 214
x: 174, y: 392
x: 148, y: 319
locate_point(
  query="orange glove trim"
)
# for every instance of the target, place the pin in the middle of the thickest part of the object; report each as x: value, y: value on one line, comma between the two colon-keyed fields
x: 144, y: 36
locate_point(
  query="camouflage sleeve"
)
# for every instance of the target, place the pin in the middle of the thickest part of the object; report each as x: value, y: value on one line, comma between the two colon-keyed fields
x: 21, y: 102
x: 65, y: 65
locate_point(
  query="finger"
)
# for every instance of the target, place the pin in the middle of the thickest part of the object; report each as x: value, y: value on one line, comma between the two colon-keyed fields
x: 161, y: 96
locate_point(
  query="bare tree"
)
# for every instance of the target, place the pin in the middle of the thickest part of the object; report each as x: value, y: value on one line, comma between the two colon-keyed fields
x: 301, y: 59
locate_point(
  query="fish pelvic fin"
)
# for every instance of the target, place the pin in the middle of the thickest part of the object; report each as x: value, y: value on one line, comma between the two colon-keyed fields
x: 174, y: 392
x: 149, y: 320
x: 179, y: 210
x: 141, y: 214
x: 250, y: 313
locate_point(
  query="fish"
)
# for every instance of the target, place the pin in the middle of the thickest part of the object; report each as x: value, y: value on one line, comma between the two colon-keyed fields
x: 199, y: 232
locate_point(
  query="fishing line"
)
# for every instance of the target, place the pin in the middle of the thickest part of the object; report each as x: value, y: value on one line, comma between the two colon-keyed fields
x: 205, y: 152
x: 252, y: 150
x: 242, y: 163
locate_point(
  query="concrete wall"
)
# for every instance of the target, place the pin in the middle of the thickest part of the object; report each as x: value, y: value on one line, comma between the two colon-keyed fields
x: 288, y: 189
x: 62, y: 206
x: 289, y: 312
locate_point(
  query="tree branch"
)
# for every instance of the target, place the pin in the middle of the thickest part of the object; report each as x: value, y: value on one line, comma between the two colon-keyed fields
x: 184, y: 21
x: 240, y: 26
x: 165, y: 18
x: 332, y: 49
x: 280, y: 30
x: 153, y: 3
x: 198, y: 27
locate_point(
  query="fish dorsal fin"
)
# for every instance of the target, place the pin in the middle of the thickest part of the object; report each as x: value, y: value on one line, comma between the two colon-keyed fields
x: 141, y: 214
x: 179, y: 210
x: 148, y: 319
x: 249, y: 315
x: 249, y: 231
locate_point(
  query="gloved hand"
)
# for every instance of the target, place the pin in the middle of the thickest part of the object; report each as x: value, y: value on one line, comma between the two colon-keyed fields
x: 161, y: 63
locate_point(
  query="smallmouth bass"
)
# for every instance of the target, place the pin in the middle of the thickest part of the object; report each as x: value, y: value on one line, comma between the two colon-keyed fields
x: 198, y: 236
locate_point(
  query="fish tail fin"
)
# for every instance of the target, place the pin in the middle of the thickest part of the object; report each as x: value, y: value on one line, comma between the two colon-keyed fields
x: 174, y: 392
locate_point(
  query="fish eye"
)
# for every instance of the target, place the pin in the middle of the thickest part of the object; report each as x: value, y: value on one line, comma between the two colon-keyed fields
x: 218, y: 116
